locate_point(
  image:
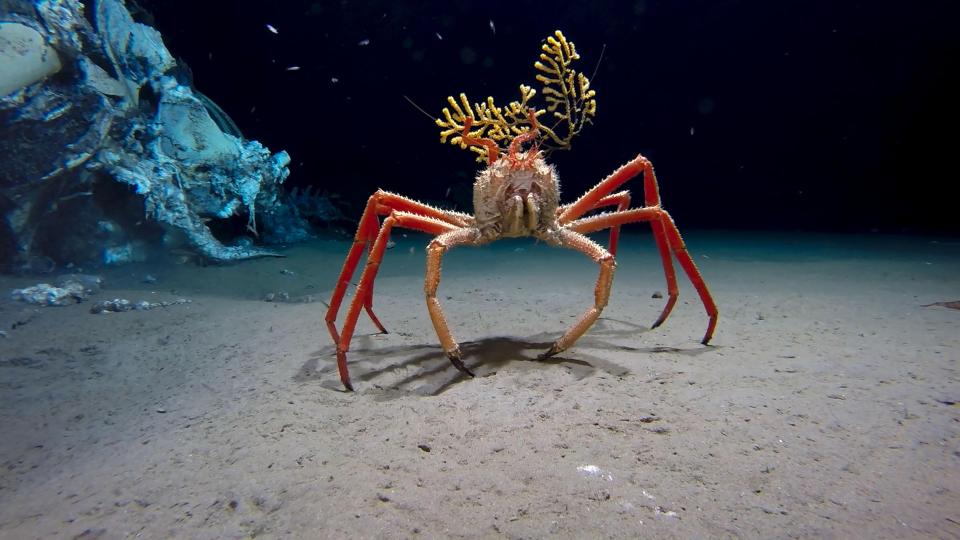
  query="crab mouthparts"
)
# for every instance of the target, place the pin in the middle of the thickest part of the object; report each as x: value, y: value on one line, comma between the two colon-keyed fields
x: 525, y: 212
x: 531, y: 212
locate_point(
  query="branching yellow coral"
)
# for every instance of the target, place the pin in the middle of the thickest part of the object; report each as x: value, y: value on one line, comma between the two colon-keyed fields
x: 566, y: 91
x: 488, y: 121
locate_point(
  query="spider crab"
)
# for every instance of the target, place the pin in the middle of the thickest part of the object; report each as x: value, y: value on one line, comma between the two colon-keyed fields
x: 517, y: 195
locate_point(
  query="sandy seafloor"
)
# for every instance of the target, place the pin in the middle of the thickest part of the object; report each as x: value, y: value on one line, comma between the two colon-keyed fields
x: 826, y: 405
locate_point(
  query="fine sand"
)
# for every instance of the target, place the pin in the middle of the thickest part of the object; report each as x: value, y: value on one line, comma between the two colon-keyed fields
x: 826, y: 406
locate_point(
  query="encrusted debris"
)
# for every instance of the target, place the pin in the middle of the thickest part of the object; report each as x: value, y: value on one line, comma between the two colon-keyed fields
x: 118, y: 305
x: 118, y: 131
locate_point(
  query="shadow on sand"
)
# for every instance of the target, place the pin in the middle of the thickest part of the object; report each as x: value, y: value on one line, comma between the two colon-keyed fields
x: 425, y: 370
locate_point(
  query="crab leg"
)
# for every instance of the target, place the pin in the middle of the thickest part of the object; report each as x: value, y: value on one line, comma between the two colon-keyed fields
x: 622, y: 201
x: 381, y: 202
x: 662, y: 220
x: 404, y: 219
x: 591, y: 199
x: 601, y: 292
x: 435, y: 252
x: 597, y: 196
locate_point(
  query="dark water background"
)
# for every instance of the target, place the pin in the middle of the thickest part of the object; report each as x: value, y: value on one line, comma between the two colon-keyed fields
x: 797, y: 115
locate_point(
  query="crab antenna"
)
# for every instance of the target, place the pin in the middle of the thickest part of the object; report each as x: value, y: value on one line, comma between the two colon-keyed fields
x: 493, y: 151
x: 419, y: 108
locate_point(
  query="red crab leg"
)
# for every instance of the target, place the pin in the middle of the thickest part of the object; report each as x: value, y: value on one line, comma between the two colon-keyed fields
x: 601, y: 292
x: 651, y: 195
x: 411, y: 221
x: 589, y: 200
x: 386, y: 203
x: 381, y: 202
x: 622, y: 201
x: 435, y: 252
x: 659, y: 216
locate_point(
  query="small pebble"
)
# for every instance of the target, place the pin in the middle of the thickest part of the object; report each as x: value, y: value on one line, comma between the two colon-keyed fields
x: 424, y: 447
x: 657, y: 294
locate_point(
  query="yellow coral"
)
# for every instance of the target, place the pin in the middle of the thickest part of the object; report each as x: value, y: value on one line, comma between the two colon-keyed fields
x: 567, y: 93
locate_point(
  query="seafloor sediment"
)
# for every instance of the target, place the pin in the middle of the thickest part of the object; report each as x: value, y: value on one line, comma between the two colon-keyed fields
x: 825, y: 406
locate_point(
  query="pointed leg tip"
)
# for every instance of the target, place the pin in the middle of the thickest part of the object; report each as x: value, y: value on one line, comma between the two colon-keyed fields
x: 709, y: 335
x: 454, y: 357
x: 554, y: 350
x: 342, y: 366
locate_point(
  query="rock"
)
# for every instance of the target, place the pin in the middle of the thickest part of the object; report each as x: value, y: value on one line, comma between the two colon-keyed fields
x: 117, y: 117
x: 44, y: 294
x: 25, y: 57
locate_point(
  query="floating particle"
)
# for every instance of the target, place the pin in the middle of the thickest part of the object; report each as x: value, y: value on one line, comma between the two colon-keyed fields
x: 691, y: 131
x: 706, y: 105
x: 493, y: 28
x: 468, y: 56
x: 272, y: 30
x: 334, y: 80
x: 439, y: 36
x: 293, y: 68
x: 448, y: 192
x: 363, y: 42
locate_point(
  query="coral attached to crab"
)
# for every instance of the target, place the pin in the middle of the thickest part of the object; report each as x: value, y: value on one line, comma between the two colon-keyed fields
x: 570, y: 102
